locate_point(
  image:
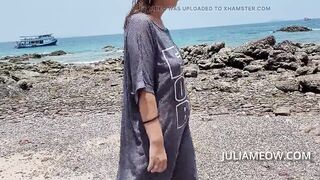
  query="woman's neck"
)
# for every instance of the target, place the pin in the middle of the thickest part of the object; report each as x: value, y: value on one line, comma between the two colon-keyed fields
x: 157, y: 10
x: 157, y: 13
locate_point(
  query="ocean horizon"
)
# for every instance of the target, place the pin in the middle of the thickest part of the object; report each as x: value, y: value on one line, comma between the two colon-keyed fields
x: 89, y: 49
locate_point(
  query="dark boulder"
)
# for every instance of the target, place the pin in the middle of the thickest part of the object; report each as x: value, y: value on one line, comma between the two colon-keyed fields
x: 253, y: 68
x: 288, y: 85
x: 282, y: 111
x: 287, y: 46
x: 110, y: 48
x: 310, y: 83
x: 239, y: 60
x: 294, y: 29
x: 24, y: 85
x: 312, y: 49
x: 283, y: 60
x: 214, y: 48
x: 36, y: 56
x: 229, y: 72
x: 57, y: 53
x: 191, y: 71
x: 302, y: 58
x: 305, y: 70
x: 259, y: 49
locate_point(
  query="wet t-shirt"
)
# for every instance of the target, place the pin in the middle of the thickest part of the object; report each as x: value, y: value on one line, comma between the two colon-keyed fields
x: 151, y: 62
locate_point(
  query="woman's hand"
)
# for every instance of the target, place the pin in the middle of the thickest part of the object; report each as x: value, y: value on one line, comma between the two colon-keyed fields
x: 157, y: 157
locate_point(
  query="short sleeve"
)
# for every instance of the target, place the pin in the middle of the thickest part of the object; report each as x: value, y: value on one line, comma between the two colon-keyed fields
x: 140, y: 49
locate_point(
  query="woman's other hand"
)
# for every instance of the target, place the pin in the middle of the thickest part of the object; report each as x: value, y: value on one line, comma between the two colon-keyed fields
x: 157, y: 157
x: 148, y: 110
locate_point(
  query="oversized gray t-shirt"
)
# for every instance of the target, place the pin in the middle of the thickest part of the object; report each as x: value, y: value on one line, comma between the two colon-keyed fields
x: 152, y: 62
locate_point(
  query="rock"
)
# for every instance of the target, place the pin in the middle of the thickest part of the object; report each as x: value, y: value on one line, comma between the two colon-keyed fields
x: 239, y: 60
x: 217, y: 65
x: 261, y: 53
x: 269, y: 40
x: 49, y: 66
x: 225, y: 87
x: 306, y: 70
x: 281, y: 70
x: 287, y: 46
x: 221, y: 57
x: 36, y: 56
x: 24, y: 85
x: 312, y: 49
x: 204, y: 64
x: 57, y: 53
x: 282, y: 111
x: 315, y: 59
x: 257, y: 49
x: 273, y: 53
x: 231, y: 73
x: 191, y: 71
x: 259, y: 62
x: 302, y: 57
x: 310, y: 83
x: 5, y: 58
x: 191, y: 54
x: 3, y: 79
x: 282, y: 60
x: 211, y: 63
x: 52, y: 64
x: 43, y: 69
x: 108, y: 48
x: 214, y: 48
x: 15, y: 77
x: 291, y: 65
x: 294, y: 29
x: 245, y: 73
x: 289, y: 85
x: 302, y: 71
x: 18, y: 59
x: 117, y: 69
x: 253, y: 68
x: 24, y: 74
x: 186, y: 49
x: 53, y: 71
x: 306, y: 45
x: 6, y: 80
x: 197, y: 51
x: 225, y: 50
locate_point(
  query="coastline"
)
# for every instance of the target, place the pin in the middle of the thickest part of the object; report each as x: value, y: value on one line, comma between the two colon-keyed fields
x: 261, y: 76
x: 86, y: 48
x: 273, y: 84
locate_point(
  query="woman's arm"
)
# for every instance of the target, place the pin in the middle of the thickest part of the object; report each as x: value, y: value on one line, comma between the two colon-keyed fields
x: 148, y: 110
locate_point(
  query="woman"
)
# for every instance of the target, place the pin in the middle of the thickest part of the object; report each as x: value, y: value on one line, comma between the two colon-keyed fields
x: 156, y: 141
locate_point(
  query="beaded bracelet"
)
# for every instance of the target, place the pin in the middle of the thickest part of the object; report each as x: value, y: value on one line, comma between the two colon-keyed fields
x: 151, y: 119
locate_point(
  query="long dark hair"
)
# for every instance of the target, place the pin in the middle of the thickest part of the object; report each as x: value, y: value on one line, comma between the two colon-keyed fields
x: 143, y: 6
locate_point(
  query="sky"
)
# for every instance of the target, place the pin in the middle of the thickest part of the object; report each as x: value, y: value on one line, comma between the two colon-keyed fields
x: 71, y: 18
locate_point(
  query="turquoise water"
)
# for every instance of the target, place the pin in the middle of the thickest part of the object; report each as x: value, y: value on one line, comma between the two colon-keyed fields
x: 89, y: 49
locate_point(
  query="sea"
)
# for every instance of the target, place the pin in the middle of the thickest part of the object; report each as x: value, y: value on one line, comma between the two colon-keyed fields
x: 90, y: 49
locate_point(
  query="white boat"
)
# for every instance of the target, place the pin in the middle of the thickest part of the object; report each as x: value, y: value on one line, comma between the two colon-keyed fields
x: 307, y: 19
x: 36, y: 41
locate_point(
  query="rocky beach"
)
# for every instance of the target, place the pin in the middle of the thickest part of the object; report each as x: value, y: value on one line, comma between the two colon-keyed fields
x: 62, y: 121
